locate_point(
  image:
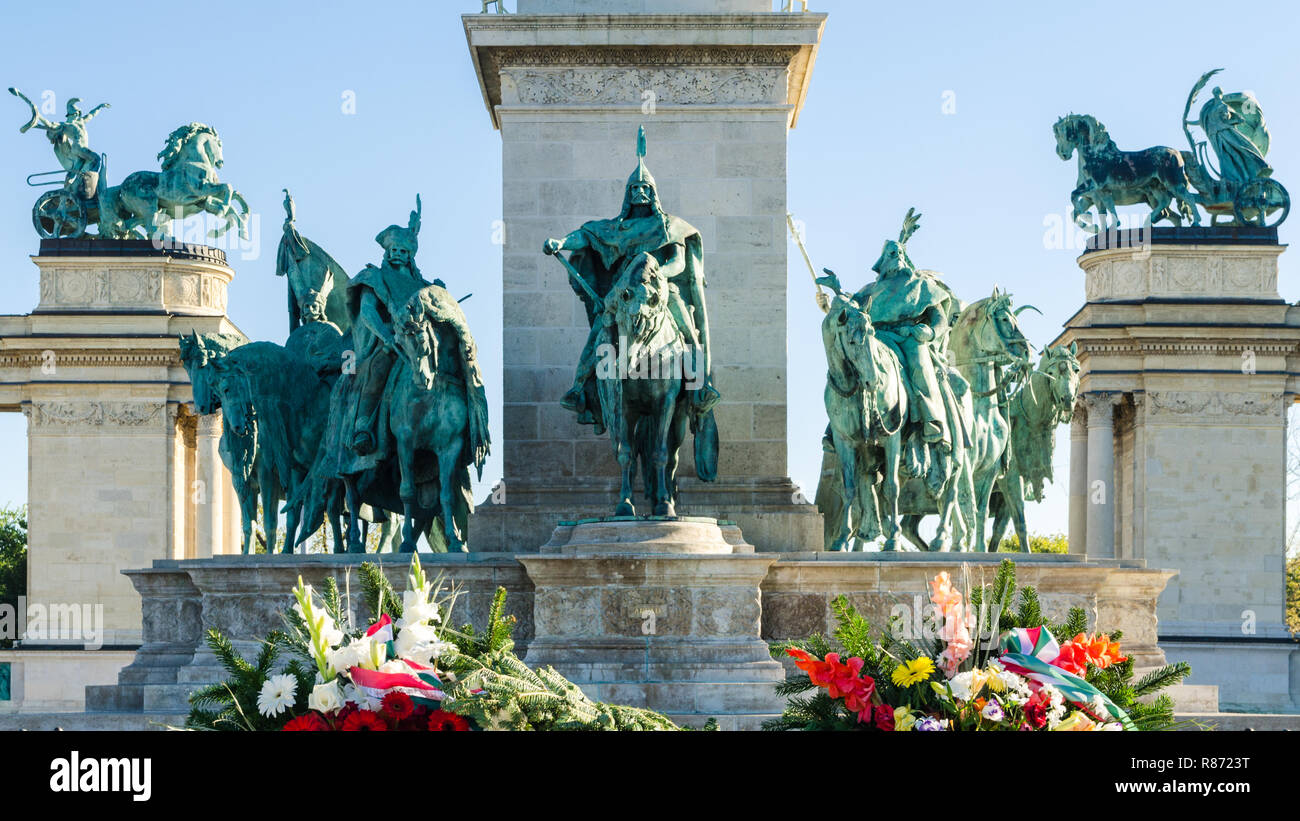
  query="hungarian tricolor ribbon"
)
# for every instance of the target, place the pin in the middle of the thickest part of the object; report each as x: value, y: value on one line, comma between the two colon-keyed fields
x: 1029, y: 652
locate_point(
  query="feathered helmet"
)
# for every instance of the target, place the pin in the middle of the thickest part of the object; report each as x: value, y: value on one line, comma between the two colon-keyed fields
x: 893, y: 257
x: 641, y: 176
x: 395, y: 236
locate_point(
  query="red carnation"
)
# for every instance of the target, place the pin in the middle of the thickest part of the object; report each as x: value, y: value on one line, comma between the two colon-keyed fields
x: 884, y: 718
x: 398, y: 706
x: 364, y: 721
x: 311, y: 723
x: 443, y: 721
x: 1036, y: 710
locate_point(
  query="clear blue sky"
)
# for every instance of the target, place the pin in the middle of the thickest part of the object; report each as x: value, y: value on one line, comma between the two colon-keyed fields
x: 873, y: 140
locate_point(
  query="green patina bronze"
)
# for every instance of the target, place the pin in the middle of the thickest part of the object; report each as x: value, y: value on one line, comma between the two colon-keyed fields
x: 911, y: 434
x: 1044, y: 401
x: 645, y: 372
x: 350, y: 421
x: 146, y: 203
x: 1173, y: 183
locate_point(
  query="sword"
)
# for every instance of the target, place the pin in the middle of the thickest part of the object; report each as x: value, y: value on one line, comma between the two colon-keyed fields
x: 577, y: 277
x: 821, y: 298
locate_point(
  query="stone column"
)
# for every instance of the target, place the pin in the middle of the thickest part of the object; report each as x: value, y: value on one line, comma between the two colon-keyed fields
x: 1101, y: 468
x: 1079, y: 479
x: 208, y: 494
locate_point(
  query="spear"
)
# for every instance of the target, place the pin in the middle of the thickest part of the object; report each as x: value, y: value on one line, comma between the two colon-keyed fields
x: 822, y: 301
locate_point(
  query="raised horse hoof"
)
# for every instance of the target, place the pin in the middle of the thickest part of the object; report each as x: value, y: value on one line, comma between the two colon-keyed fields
x: 625, y: 509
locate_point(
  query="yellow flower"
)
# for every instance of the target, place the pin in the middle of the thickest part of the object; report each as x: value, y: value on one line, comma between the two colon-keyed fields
x: 913, y: 672
x: 995, y: 682
x: 1076, y: 721
x: 903, y: 720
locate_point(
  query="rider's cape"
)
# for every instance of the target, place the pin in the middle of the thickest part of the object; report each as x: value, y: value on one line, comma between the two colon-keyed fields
x: 611, y: 243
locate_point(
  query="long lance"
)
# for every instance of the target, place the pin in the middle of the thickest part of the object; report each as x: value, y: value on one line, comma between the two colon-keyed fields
x: 576, y: 277
x: 821, y: 298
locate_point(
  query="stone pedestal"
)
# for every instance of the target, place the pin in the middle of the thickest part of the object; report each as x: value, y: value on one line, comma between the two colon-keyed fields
x: 120, y: 472
x: 663, y: 614
x: 1189, y: 364
x: 717, y: 93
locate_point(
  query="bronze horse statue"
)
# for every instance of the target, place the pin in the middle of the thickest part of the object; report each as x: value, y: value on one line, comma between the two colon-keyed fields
x: 1043, y: 402
x: 147, y: 201
x: 646, y: 408
x: 1109, y: 177
x: 867, y: 404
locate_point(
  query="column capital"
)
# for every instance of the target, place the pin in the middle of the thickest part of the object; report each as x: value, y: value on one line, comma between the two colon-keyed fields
x: 1100, y: 406
x: 210, y: 425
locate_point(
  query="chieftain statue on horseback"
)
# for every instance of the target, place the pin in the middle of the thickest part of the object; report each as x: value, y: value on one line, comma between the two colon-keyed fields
x: 645, y: 372
x: 367, y: 412
x: 915, y: 385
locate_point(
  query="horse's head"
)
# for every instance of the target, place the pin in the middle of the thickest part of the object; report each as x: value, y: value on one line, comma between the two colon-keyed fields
x: 847, y: 333
x: 191, y: 143
x: 640, y: 302
x: 199, y: 362
x: 1060, y: 365
x: 232, y: 391
x: 995, y: 333
x: 1063, y: 130
x: 417, y: 341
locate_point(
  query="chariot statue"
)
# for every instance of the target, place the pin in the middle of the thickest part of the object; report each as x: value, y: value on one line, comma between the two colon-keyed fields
x: 146, y: 202
x: 1174, y: 183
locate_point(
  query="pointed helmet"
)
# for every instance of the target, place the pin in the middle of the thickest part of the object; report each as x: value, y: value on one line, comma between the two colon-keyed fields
x: 641, y: 176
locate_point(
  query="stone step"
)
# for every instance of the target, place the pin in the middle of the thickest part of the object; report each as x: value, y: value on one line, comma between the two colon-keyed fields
x: 731, y: 722
x: 89, y: 722
x: 693, y: 697
x: 1240, y: 721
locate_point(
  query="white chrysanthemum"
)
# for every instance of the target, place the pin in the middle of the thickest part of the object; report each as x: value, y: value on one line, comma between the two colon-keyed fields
x: 1098, y: 705
x: 278, y: 694
x: 1112, y: 726
x: 326, y: 697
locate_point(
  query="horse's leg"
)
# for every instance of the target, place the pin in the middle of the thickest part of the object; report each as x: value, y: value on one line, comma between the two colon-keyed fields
x: 890, y: 486
x: 448, y: 459
x: 336, y: 522
x: 625, y: 453
x: 405, y: 446
x: 846, y: 453
x: 1015, y: 499
x: 911, y: 525
x: 663, y: 421
x: 355, y: 543
x: 998, y: 510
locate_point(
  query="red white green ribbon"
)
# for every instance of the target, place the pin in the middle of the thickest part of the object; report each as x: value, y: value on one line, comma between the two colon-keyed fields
x: 1029, y: 652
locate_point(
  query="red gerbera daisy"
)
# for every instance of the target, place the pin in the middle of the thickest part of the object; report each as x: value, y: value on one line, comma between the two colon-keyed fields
x: 311, y: 723
x: 364, y: 720
x: 443, y: 721
x: 398, y: 706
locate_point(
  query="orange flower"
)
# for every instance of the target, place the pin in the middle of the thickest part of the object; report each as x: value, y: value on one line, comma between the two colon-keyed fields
x: 1085, y: 649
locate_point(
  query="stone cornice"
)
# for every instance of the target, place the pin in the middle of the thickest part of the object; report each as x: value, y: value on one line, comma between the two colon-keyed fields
x: 91, y: 358
x: 632, y: 46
